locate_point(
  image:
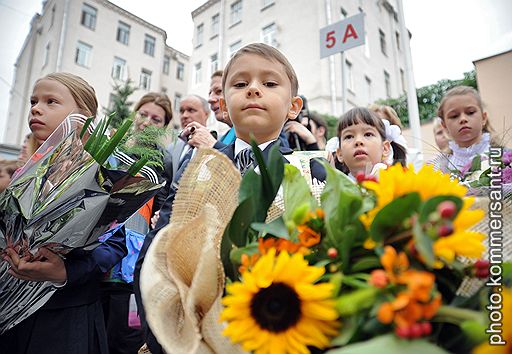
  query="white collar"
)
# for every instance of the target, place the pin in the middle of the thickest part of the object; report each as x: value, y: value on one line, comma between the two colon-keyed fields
x: 242, y: 145
x: 469, y: 152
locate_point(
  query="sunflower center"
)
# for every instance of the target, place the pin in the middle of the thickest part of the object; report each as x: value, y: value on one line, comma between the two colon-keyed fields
x: 276, y: 308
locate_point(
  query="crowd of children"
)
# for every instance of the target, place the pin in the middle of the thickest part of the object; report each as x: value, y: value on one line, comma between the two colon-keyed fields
x: 259, y: 95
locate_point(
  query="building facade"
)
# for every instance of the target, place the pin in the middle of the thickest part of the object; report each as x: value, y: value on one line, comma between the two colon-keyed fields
x: 494, y: 78
x: 100, y: 42
x: 374, y: 71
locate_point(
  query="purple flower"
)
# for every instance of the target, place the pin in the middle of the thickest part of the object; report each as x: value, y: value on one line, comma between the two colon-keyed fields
x: 507, y: 157
x: 507, y: 175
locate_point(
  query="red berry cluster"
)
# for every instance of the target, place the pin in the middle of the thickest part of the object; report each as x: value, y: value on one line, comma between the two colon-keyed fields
x: 416, y: 330
x: 361, y: 177
x: 447, y: 211
x: 481, y: 268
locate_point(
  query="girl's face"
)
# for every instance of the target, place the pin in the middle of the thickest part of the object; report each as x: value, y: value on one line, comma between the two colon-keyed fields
x: 51, y: 102
x: 441, y: 138
x: 361, y: 148
x: 464, y: 120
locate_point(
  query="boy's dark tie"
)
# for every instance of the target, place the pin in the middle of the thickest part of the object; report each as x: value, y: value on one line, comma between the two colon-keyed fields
x: 244, y: 160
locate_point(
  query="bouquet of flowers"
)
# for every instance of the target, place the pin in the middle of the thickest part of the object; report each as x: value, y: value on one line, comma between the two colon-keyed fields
x: 359, y: 268
x: 478, y: 173
x: 66, y: 197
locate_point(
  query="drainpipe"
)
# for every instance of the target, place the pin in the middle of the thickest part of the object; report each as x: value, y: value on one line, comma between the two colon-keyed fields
x: 63, y: 32
x: 332, y: 72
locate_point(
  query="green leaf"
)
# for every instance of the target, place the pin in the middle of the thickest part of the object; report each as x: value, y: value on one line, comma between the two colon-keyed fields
x: 351, y: 303
x: 390, y: 344
x: 423, y: 244
x: 474, y: 331
x: 389, y: 219
x: 296, y: 192
x: 239, y: 225
x: 225, y: 251
x: 275, y: 228
x: 85, y: 127
x: 236, y: 253
x: 365, y: 263
x: 476, y: 164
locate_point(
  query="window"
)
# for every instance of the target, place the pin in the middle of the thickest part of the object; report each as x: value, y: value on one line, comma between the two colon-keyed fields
x: 53, y: 16
x: 215, y: 25
x: 119, y: 69
x: 83, y: 54
x: 236, y: 12
x: 214, y: 63
x: 343, y: 13
x: 149, y: 45
x: 368, y: 89
x: 197, y: 73
x: 387, y: 84
x: 350, y: 78
x: 383, y: 42
x: 89, y: 16
x: 145, y: 80
x: 233, y: 48
x: 402, y: 79
x: 46, y: 54
x: 177, y: 100
x: 199, y: 35
x: 180, y: 71
x: 266, y: 3
x: 167, y: 63
x: 123, y: 33
x: 268, y: 34
x: 397, y: 36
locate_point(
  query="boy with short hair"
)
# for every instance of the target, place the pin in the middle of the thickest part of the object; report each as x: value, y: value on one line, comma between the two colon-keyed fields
x: 260, y: 94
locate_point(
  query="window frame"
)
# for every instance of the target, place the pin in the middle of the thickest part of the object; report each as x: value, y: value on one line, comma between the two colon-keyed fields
x: 88, y: 16
x: 121, y: 75
x: 149, y: 45
x: 87, y: 56
x: 180, y: 71
x: 123, y: 33
x: 235, y: 13
x: 272, y: 35
x: 145, y: 79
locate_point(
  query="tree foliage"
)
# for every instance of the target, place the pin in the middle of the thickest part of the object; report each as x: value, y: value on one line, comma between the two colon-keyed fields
x: 120, y: 105
x: 429, y: 98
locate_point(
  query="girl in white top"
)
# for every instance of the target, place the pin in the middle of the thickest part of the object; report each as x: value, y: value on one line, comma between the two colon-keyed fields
x: 466, y: 123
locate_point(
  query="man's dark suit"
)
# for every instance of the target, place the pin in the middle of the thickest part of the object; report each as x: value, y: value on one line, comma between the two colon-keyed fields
x: 317, y: 171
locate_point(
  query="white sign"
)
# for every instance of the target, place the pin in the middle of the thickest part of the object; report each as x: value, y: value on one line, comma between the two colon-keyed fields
x: 342, y: 35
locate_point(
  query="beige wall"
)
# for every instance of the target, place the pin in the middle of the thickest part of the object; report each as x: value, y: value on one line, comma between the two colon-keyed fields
x: 494, y: 77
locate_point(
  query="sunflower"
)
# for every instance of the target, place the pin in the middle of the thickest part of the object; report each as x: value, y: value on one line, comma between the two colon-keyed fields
x: 397, y: 181
x: 277, y: 308
x: 461, y: 242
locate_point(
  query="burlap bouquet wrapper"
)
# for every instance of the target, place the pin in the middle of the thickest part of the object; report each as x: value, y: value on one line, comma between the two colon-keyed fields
x: 471, y: 285
x: 182, y: 278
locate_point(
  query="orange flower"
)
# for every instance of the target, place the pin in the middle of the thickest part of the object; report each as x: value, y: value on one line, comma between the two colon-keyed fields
x: 307, y: 236
x: 379, y: 278
x: 394, y: 264
x: 248, y: 262
x: 280, y: 244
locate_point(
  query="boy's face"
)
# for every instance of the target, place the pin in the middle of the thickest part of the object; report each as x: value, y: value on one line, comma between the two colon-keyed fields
x: 257, y: 97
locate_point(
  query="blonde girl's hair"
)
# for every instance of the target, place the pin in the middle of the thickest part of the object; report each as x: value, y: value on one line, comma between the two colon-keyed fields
x: 388, y: 112
x: 83, y: 93
x: 161, y: 100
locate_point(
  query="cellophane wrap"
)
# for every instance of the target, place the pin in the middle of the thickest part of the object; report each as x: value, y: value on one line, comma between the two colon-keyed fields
x: 62, y: 199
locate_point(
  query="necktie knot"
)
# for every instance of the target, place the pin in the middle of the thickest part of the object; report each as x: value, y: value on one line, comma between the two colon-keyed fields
x: 244, y: 160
